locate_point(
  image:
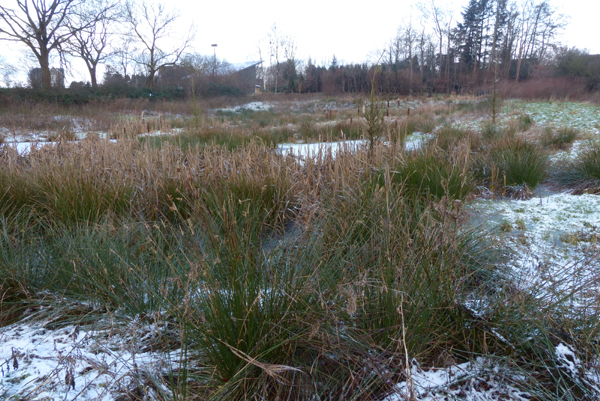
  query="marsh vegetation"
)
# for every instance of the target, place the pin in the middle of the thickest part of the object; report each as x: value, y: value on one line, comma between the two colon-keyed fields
x: 251, y: 273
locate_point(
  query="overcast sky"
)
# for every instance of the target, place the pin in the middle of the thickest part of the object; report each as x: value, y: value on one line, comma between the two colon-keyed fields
x: 350, y: 30
x: 353, y: 31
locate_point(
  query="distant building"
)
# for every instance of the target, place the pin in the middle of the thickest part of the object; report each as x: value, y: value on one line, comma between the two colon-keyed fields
x: 246, y: 74
x: 57, y: 78
x: 242, y: 76
x: 173, y: 75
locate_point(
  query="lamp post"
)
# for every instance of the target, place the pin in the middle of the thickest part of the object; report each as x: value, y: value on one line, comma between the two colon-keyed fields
x: 214, y: 46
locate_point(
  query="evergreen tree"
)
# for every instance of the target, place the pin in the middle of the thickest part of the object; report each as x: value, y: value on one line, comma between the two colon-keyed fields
x: 334, y: 64
x: 475, y: 33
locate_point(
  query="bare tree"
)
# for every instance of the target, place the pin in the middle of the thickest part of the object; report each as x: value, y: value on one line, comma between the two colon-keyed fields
x: 262, y: 70
x: 42, y: 26
x: 121, y: 56
x: 525, y: 28
x: 410, y: 40
x: 151, y: 26
x: 422, y: 43
x: 437, y: 14
x: 7, y: 71
x: 291, y: 63
x: 442, y: 23
x: 92, y: 43
x: 275, y: 44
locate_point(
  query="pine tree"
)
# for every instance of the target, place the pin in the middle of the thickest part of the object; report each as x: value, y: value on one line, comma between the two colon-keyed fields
x: 475, y: 31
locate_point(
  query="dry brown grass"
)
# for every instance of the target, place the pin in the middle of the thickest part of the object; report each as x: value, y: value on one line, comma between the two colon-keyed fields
x: 378, y: 237
x: 141, y: 181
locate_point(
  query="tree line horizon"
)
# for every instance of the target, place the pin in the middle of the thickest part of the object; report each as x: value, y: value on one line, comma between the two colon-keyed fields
x: 494, y: 40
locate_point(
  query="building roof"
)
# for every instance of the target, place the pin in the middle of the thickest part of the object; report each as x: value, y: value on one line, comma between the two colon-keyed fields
x: 244, y: 65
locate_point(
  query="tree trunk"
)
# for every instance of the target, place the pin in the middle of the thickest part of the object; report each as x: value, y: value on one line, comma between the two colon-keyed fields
x: 151, y: 75
x: 448, y: 63
x: 45, y: 66
x: 495, y: 40
x: 92, y: 70
x: 93, y: 77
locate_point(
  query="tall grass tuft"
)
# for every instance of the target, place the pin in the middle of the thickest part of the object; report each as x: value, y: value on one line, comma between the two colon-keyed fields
x: 281, y: 277
x: 583, y: 172
x: 448, y: 138
x: 491, y: 133
x: 561, y: 138
x: 513, y: 162
x: 525, y: 122
x: 253, y: 312
x: 435, y: 173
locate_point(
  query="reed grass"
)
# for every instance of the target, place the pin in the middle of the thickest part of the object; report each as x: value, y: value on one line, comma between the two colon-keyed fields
x: 513, y: 162
x: 448, y: 137
x: 435, y: 173
x: 284, y: 278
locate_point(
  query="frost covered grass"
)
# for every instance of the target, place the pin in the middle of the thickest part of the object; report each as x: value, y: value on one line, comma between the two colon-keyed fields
x: 574, y: 115
x: 548, y: 235
x: 582, y: 173
x: 206, y: 264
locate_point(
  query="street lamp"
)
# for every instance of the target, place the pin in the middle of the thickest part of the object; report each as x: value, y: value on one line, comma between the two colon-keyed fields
x: 214, y: 46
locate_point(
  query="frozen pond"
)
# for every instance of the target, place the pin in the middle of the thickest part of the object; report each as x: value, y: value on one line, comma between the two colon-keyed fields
x: 23, y: 148
x: 314, y: 150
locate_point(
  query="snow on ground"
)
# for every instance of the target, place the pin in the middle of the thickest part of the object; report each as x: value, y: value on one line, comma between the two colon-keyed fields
x: 554, y: 238
x: 173, y: 131
x: 570, y: 154
x: 254, y: 106
x: 582, y: 116
x: 485, y: 379
x: 23, y: 147
x: 42, y: 361
x: 76, y: 125
x: 480, y: 380
x: 314, y: 150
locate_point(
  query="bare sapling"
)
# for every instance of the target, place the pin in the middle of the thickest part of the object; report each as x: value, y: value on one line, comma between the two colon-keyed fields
x: 374, y: 115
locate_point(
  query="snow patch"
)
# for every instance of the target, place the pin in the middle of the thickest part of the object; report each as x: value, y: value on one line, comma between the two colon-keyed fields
x: 478, y: 380
x: 254, y: 106
x: 76, y: 362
